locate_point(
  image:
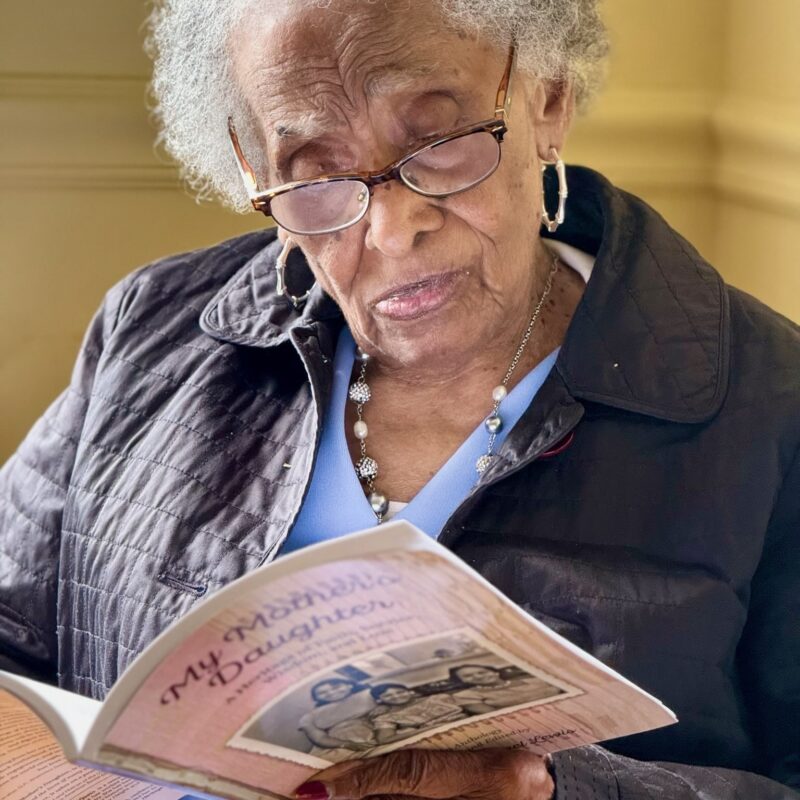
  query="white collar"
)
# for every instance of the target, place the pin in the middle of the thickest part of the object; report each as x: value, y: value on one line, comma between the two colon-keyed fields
x: 581, y: 262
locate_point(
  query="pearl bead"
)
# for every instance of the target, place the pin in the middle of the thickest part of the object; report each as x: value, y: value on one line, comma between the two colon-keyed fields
x: 379, y: 503
x: 360, y: 429
x: 493, y: 424
x: 499, y: 393
x: 361, y: 355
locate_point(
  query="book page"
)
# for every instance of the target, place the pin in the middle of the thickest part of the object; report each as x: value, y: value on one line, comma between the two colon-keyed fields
x: 355, y: 658
x: 33, y: 767
x: 69, y: 716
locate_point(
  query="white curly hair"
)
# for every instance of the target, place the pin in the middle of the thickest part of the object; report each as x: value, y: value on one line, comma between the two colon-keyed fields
x: 193, y: 91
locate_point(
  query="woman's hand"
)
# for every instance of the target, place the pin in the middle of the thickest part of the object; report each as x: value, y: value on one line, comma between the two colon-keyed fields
x: 436, y: 775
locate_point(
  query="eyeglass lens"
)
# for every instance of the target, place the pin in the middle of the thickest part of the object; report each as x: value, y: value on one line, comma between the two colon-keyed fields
x: 452, y: 166
x: 320, y: 207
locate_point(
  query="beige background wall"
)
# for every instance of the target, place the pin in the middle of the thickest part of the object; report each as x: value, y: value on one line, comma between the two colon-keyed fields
x: 701, y: 117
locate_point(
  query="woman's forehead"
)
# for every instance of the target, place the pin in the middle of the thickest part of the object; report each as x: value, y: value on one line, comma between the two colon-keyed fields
x: 299, y: 73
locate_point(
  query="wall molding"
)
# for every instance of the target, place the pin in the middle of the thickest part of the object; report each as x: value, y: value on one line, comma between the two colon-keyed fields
x: 648, y: 140
x: 89, y: 177
x: 64, y: 87
x: 79, y: 132
x: 759, y: 153
x: 668, y: 140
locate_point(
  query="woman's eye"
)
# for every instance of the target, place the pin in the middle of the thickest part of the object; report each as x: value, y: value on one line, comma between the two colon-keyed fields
x: 317, y: 167
x: 420, y: 140
x: 437, y: 133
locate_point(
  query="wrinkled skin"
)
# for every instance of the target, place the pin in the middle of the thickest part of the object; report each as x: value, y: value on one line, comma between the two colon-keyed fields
x: 371, y: 80
x: 439, y: 775
x: 353, y: 87
x: 299, y: 64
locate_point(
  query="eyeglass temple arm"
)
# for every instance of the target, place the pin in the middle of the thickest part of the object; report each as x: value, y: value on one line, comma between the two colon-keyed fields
x: 502, y: 104
x: 245, y: 170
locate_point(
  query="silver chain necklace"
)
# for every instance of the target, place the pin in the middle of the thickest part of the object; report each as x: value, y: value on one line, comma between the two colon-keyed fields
x: 360, y: 394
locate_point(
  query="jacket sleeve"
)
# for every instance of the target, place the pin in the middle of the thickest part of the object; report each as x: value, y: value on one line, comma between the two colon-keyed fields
x: 33, y: 489
x: 590, y: 773
x: 769, y: 660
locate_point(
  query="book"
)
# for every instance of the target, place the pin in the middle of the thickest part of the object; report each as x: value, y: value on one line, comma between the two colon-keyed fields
x: 351, y: 648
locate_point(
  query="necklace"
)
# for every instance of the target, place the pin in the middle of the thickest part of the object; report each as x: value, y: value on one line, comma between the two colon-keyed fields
x: 360, y: 394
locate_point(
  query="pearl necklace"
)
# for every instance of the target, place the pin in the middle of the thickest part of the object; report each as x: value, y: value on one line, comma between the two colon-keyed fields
x: 360, y: 394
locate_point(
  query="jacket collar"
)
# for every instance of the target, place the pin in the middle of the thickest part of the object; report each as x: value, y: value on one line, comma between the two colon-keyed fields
x: 248, y: 310
x: 650, y: 334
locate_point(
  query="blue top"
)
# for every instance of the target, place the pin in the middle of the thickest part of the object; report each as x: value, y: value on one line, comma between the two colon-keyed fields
x: 336, y: 503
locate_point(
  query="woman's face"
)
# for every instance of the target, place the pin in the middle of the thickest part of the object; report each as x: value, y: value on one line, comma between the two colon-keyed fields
x: 478, y: 676
x: 421, y: 281
x: 396, y: 696
x: 332, y: 691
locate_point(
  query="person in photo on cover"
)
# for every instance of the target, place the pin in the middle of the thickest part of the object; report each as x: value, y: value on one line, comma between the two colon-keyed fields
x: 336, y: 726
x: 440, y: 322
x: 403, y: 712
x: 487, y: 691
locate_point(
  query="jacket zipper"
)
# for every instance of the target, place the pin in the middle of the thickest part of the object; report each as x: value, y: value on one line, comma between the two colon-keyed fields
x: 269, y: 554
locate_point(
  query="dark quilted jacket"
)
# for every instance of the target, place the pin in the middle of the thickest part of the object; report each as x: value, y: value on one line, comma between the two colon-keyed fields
x: 664, y: 539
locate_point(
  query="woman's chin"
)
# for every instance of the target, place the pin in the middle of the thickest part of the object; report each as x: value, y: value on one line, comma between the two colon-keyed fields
x: 438, y: 348
x: 426, y: 331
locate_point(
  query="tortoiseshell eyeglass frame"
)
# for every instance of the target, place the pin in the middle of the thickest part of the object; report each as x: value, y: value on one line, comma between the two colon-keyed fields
x: 261, y: 200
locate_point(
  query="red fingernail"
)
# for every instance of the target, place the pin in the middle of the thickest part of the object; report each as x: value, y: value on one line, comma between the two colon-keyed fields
x: 315, y: 790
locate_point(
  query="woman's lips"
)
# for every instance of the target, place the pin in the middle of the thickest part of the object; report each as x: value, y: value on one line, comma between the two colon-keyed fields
x: 413, y: 300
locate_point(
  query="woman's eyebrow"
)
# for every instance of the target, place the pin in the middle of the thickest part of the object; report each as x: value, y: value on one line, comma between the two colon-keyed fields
x: 396, y: 78
x: 305, y: 127
x: 291, y: 133
x: 308, y: 125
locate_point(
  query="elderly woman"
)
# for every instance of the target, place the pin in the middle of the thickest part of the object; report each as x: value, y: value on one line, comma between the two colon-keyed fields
x: 581, y: 409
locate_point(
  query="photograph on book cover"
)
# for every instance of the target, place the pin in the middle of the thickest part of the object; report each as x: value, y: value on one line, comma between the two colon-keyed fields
x: 386, y: 699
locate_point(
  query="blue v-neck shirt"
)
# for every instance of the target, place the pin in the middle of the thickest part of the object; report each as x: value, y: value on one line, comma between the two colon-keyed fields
x: 336, y: 503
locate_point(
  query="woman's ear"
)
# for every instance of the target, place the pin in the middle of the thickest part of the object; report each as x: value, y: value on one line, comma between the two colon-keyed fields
x: 551, y: 107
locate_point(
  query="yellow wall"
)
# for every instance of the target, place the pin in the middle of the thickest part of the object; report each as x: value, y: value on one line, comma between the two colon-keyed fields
x: 701, y: 117
x: 758, y: 176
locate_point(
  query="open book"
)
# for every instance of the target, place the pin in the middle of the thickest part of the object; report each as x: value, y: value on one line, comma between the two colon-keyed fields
x: 351, y: 648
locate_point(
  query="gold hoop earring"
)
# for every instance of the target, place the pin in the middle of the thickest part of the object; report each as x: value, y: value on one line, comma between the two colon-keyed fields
x: 552, y: 223
x: 280, y: 269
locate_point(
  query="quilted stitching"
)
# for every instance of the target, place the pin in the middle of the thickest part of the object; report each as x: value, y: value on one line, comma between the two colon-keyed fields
x: 180, y: 454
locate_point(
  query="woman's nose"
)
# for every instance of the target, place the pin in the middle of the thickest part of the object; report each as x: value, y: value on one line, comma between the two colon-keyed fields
x: 398, y: 217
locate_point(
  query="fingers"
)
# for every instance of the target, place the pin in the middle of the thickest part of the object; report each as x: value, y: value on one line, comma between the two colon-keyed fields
x: 416, y: 773
x: 317, y: 796
x: 314, y: 790
x: 435, y: 775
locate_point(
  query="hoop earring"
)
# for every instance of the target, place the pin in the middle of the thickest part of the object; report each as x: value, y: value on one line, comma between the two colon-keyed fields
x: 550, y: 223
x: 280, y: 269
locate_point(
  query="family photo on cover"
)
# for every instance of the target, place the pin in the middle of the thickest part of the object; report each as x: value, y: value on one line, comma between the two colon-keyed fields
x: 387, y: 698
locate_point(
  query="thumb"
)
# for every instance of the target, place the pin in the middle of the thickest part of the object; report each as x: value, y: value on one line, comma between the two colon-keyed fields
x: 412, y: 773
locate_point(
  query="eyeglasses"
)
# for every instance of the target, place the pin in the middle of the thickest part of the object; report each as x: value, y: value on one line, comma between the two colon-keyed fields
x: 441, y: 167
